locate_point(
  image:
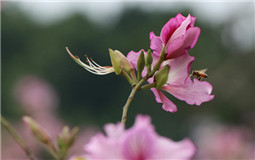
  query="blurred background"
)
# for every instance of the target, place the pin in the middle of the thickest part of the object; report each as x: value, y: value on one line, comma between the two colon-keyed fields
x: 39, y: 78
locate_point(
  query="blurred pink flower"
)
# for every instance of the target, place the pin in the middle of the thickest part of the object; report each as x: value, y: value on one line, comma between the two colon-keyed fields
x: 140, y: 142
x: 178, y: 35
x: 224, y: 142
x: 35, y: 95
x: 179, y: 84
x: 39, y: 100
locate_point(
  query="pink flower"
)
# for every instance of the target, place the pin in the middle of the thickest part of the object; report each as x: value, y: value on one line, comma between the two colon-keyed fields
x: 178, y: 35
x: 35, y: 95
x: 179, y: 84
x: 140, y: 142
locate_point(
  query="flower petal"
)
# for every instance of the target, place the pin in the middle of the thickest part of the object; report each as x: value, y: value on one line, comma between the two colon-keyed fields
x: 140, y: 139
x: 181, y: 30
x: 101, y: 147
x: 114, y: 130
x: 168, y: 149
x: 133, y: 58
x: 156, y: 43
x: 192, y: 92
x: 143, y: 121
x: 161, y: 98
x: 179, y: 69
x: 170, y: 27
x: 180, y: 45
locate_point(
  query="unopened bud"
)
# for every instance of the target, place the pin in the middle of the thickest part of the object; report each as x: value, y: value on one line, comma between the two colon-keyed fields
x: 66, y: 138
x: 148, y: 61
x: 37, y: 130
x: 119, y: 62
x: 73, y: 135
x: 162, y: 54
x: 161, y: 76
x: 115, y: 62
x: 149, y: 58
x: 140, y: 62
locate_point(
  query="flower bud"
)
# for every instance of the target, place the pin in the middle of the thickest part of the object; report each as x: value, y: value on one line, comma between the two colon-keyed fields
x: 120, y: 62
x: 162, y: 54
x: 37, y: 130
x: 149, y: 58
x: 66, y: 138
x: 161, y: 76
x: 148, y: 61
x: 140, y: 62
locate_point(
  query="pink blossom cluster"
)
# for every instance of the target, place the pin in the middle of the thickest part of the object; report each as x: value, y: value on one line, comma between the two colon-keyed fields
x: 177, y: 36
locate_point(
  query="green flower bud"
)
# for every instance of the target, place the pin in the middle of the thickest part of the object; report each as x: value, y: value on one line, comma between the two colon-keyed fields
x: 115, y: 62
x: 73, y: 135
x: 140, y: 62
x: 66, y: 138
x: 161, y: 76
x: 148, y: 61
x: 37, y: 130
x: 149, y: 58
x: 162, y: 54
x: 120, y: 62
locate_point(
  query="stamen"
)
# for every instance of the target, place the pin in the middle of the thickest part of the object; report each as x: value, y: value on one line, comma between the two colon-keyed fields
x: 93, y: 67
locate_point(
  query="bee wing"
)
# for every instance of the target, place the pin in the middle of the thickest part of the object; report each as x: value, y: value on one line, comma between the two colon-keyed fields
x: 203, y: 70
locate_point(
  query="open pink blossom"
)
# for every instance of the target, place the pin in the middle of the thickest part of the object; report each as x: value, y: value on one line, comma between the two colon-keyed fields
x: 179, y: 84
x: 140, y: 142
x: 178, y: 35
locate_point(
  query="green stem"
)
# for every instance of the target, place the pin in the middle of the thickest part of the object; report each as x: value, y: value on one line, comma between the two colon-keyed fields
x: 129, y: 100
x: 139, y: 75
x: 155, y: 68
x: 138, y: 85
x: 132, y: 73
x: 148, y: 86
x: 128, y: 78
x: 17, y: 138
x: 53, y: 151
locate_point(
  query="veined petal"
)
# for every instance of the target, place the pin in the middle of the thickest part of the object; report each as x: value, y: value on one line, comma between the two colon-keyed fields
x: 161, y: 98
x: 192, y: 92
x: 156, y: 43
x: 179, y: 69
x: 170, y: 27
x: 140, y: 139
x: 133, y: 56
x: 168, y: 149
x: 180, y: 45
x: 180, y: 31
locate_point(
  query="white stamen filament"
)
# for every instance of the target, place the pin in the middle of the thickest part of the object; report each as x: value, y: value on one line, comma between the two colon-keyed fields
x: 93, y: 67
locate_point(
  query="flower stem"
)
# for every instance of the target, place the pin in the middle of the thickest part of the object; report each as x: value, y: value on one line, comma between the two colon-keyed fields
x: 129, y: 100
x: 128, y: 78
x: 138, y: 85
x: 17, y: 138
x: 148, y: 86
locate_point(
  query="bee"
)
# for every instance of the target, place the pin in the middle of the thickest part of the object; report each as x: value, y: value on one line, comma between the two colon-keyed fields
x: 199, y: 74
